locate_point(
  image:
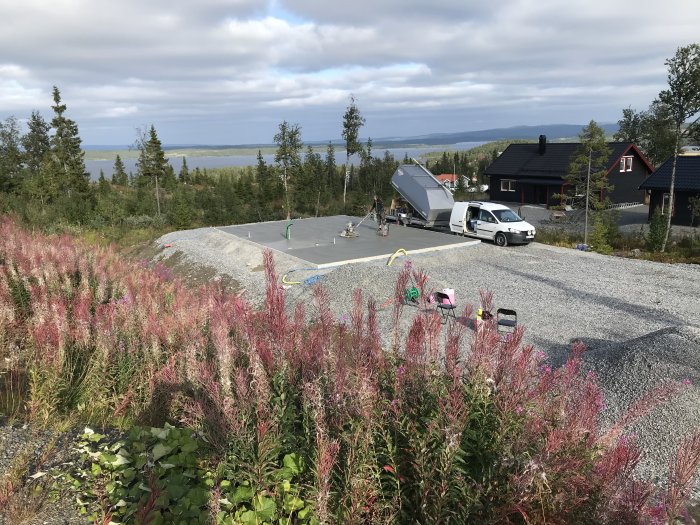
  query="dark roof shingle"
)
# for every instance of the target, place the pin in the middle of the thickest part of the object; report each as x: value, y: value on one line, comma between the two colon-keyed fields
x: 524, y: 160
x: 687, y: 175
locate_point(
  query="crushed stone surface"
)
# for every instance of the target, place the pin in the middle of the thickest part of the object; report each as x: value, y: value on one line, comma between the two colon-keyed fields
x: 640, y: 320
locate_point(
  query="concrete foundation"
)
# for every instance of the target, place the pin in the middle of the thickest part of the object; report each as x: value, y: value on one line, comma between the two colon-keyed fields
x: 318, y: 241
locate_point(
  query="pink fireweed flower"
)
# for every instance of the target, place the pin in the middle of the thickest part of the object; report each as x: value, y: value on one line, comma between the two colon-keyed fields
x: 687, y: 382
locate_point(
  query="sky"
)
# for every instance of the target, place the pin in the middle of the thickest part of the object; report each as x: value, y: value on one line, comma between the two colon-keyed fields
x: 230, y: 71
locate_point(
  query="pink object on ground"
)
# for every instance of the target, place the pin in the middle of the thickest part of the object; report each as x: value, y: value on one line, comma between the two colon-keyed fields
x: 449, y: 292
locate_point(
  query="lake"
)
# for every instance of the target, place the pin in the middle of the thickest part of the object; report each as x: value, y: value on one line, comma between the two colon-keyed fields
x: 213, y: 161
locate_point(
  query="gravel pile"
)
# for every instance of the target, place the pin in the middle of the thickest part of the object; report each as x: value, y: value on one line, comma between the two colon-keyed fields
x: 628, y: 370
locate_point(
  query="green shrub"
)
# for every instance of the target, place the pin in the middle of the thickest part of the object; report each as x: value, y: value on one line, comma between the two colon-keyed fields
x: 599, y: 238
x: 657, y: 232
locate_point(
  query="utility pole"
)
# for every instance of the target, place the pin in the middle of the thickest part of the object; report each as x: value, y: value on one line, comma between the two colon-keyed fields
x: 588, y: 184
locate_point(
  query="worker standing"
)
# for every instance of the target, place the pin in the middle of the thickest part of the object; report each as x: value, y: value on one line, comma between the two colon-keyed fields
x: 378, y: 209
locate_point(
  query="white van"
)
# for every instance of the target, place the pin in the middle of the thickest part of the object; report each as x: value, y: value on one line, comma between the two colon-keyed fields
x: 494, y: 222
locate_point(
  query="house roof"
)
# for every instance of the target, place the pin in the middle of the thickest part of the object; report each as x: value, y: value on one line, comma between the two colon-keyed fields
x: 524, y: 160
x: 446, y: 177
x: 687, y: 175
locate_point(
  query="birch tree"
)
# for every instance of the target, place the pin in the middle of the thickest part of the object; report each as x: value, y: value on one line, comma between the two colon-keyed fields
x: 287, y: 156
x: 683, y: 100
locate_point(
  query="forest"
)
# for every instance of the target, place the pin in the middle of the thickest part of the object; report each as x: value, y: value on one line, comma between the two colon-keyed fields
x: 43, y: 180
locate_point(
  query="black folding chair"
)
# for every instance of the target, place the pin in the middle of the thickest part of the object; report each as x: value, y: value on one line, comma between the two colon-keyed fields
x: 506, y: 320
x: 443, y: 305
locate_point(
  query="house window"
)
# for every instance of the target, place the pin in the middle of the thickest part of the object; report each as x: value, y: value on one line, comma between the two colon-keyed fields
x: 507, y: 185
x: 626, y: 163
x: 665, y: 204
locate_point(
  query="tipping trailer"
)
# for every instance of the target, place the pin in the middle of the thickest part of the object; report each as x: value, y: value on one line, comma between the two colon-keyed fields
x: 430, y: 202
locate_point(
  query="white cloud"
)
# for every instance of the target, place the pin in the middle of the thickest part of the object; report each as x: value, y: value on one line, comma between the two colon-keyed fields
x: 229, y: 70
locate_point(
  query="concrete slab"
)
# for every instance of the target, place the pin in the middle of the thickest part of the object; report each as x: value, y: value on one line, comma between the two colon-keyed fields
x: 318, y: 241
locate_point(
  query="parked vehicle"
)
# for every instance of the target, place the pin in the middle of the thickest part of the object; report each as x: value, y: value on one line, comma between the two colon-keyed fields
x: 429, y: 201
x: 491, y: 221
x: 426, y: 202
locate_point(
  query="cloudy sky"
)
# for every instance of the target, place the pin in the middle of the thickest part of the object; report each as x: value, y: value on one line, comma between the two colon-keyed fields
x: 229, y: 71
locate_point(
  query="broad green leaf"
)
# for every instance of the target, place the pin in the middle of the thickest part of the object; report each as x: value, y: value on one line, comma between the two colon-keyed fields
x: 190, y: 446
x: 249, y: 518
x: 241, y: 494
x: 160, y: 450
x: 265, y: 507
x: 293, y: 463
x: 292, y: 503
x: 160, y: 433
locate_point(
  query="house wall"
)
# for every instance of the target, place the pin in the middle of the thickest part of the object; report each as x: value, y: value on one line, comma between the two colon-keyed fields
x: 524, y: 193
x: 626, y: 183
x: 506, y: 196
x: 681, y: 215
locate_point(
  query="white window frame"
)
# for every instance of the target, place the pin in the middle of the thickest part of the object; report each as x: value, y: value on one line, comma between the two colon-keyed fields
x: 509, y: 186
x: 665, y: 201
x: 626, y: 163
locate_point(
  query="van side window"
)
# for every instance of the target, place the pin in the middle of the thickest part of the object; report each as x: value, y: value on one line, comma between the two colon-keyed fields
x: 486, y: 216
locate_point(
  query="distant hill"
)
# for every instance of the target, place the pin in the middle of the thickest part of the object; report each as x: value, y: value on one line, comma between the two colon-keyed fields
x: 553, y: 132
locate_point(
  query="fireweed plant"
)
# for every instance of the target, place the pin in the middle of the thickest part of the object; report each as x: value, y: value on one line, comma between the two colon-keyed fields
x: 300, y: 418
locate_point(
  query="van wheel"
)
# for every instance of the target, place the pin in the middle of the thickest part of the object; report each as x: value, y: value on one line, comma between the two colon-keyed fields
x: 501, y: 239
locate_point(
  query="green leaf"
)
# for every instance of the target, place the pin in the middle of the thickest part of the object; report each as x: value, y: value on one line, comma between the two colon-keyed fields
x: 265, y: 507
x: 241, y: 494
x: 293, y: 463
x: 190, y: 446
x: 160, y: 433
x: 160, y: 450
x: 248, y: 518
x: 292, y: 503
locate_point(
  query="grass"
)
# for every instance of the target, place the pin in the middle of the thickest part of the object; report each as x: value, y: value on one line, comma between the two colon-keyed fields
x: 288, y: 415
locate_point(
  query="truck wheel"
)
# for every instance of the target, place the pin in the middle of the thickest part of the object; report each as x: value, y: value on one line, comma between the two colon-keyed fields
x: 501, y: 239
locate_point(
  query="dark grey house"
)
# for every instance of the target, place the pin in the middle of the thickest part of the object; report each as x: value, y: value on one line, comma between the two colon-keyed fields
x: 687, y: 186
x: 534, y: 173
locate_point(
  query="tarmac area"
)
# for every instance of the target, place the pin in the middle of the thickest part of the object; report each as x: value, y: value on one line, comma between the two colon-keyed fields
x: 318, y: 241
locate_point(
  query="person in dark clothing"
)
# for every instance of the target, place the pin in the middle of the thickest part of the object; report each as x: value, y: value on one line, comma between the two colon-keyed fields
x: 378, y: 208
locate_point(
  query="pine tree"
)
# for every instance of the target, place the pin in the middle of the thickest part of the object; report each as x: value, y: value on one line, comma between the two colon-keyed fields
x: 103, y: 186
x: 152, y: 164
x: 119, y: 177
x: 588, y: 171
x: 331, y: 168
x: 66, y: 165
x: 352, y: 122
x: 10, y: 156
x: 184, y: 175
x: 36, y: 143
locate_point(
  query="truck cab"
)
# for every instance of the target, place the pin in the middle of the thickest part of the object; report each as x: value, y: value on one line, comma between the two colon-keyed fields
x: 490, y: 221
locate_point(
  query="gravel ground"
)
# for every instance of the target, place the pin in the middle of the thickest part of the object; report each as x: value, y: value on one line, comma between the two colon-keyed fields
x: 41, y: 450
x: 639, y: 319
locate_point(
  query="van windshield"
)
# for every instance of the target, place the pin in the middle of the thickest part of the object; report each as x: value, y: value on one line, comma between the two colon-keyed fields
x: 506, y: 216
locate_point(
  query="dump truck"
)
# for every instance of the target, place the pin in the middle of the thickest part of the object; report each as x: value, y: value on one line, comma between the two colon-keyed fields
x: 424, y: 200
